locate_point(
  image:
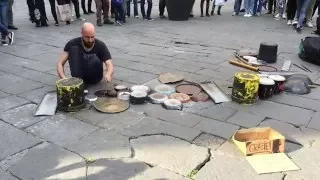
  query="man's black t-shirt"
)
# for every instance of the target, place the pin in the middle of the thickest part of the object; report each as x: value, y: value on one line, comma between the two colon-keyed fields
x: 99, y: 48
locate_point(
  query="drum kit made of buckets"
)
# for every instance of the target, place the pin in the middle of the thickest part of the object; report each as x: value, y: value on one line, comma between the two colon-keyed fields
x: 247, y: 87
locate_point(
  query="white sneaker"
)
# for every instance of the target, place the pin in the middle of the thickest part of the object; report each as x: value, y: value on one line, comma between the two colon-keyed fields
x: 258, y: 14
x: 246, y: 15
x: 284, y: 16
x: 234, y: 13
x: 309, y: 24
x: 295, y: 22
x: 289, y: 22
x: 277, y: 15
x: 249, y: 15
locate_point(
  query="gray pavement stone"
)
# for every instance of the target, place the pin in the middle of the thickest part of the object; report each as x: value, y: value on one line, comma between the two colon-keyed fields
x: 289, y: 131
x: 3, y: 94
x: 285, y: 113
x: 192, y: 77
x: 297, y: 101
x: 48, y: 161
x: 123, y: 73
x: 150, y: 126
x: 169, y: 153
x: 246, y: 119
x: 140, y: 66
x: 315, y: 122
x: 176, y: 117
x: 61, y: 129
x: 102, y: 144
x: 182, y: 67
x: 15, y: 85
x: 195, y: 107
x: 115, y: 169
x: 10, y: 161
x: 12, y: 69
x: 28, y: 50
x: 22, y: 116
x: 222, y: 167
x: 218, y: 128
x: 209, y: 141
x: 46, y: 57
x: 36, y: 95
x: 157, y: 173
x: 11, y: 102
x: 121, y: 121
x: 40, y: 66
x: 91, y: 116
x: 6, y: 176
x: 14, y: 140
x: 141, y: 77
x: 217, y: 112
x: 41, y: 77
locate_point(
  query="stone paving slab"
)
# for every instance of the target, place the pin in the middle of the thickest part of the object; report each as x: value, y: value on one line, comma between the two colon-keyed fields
x: 41, y: 77
x: 102, y: 144
x: 218, y: 128
x: 209, y: 141
x: 14, y: 140
x: 15, y: 84
x: 246, y: 119
x: 3, y: 94
x: 315, y: 122
x: 36, y: 95
x: 115, y: 169
x: 48, y: 161
x: 157, y: 173
x: 6, y: 176
x: 217, y: 112
x: 61, y: 129
x: 149, y: 126
x: 169, y: 153
x: 11, y: 102
x: 22, y: 116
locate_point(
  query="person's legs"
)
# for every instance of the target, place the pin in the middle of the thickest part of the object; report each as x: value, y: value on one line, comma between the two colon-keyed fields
x: 270, y: 4
x: 42, y: 21
x: 105, y: 6
x: 207, y: 8
x: 201, y: 7
x: 302, y: 6
x: 83, y: 6
x: 76, y: 8
x: 99, y: 11
x: 309, y: 13
x: 128, y: 3
x: 135, y: 8
x: 149, y: 9
x: 236, y: 7
x: 4, y: 14
x: 76, y: 62
x: 143, y: 13
x: 89, y: 7
x: 162, y: 5
x: 4, y: 31
x: 53, y: 11
x: 10, y: 15
x: 291, y: 10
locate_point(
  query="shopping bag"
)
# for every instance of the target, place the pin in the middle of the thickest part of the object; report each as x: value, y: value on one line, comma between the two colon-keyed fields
x: 64, y: 12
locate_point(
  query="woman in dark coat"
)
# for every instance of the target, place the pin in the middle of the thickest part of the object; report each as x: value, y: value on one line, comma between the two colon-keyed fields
x: 37, y: 12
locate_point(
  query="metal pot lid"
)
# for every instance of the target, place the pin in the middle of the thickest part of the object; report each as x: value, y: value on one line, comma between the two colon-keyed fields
x: 110, y: 105
x: 164, y: 89
x: 101, y: 93
x: 169, y: 77
x: 120, y: 87
x: 189, y: 89
x: 91, y: 97
x: 139, y: 94
x: 183, y: 98
x: 202, y: 96
x: 172, y: 104
x: 158, y: 98
x: 140, y: 88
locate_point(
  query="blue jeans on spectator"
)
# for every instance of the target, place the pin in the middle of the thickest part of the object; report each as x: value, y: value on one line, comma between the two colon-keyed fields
x: 4, y: 31
x: 237, y: 6
x: 257, y: 7
x: 302, y: 6
x: 4, y: 13
x: 248, y: 6
x: 119, y: 12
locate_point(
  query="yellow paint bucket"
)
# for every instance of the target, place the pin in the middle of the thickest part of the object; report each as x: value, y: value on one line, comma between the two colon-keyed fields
x: 245, y: 88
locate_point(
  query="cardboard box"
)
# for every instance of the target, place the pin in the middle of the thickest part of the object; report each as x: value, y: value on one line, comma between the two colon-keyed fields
x: 259, y: 141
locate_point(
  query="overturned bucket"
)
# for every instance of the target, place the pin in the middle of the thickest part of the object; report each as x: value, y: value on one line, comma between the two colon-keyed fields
x: 70, y: 94
x: 245, y: 88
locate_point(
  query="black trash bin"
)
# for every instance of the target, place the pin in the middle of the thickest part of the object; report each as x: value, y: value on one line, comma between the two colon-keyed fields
x: 179, y: 10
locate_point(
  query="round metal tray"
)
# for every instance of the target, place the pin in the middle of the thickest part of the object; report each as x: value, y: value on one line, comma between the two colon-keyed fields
x: 110, y: 105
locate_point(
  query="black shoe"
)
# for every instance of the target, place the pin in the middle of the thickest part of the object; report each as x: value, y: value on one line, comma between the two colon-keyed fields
x: 317, y: 32
x: 201, y: 15
x: 44, y: 24
x: 208, y: 15
x: 91, y: 12
x: 149, y: 19
x: 4, y: 42
x: 38, y: 24
x: 11, y: 37
x: 56, y: 23
x: 68, y: 22
x: 299, y: 30
x: 191, y: 15
x: 12, y: 28
x: 99, y: 23
x: 118, y: 23
x: 219, y: 13
x: 242, y: 10
x: 212, y: 13
x: 162, y: 16
x: 107, y: 21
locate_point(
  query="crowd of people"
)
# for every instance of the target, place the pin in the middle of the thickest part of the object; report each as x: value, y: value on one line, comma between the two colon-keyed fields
x: 299, y: 13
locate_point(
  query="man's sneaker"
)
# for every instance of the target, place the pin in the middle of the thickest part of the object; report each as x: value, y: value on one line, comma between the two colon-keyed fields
x: 277, y: 16
x: 149, y: 19
x: 284, y: 16
x: 136, y: 16
x: 289, y: 22
x: 294, y: 22
x: 162, y: 16
x: 258, y: 14
x: 4, y: 42
x: 11, y: 37
x: 309, y: 24
x: 99, y: 23
x: 234, y: 13
x: 107, y: 21
x: 81, y: 19
x: 118, y: 23
x: 299, y: 30
x: 12, y: 27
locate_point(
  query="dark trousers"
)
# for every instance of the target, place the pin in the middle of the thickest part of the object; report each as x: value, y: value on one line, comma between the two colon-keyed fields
x: 76, y: 6
x: 88, y: 67
x: 272, y: 4
x: 102, y: 7
x: 135, y: 8
x: 118, y: 11
x: 53, y: 9
x: 237, y: 6
x: 207, y: 6
x: 83, y: 6
x: 37, y: 4
x: 162, y: 6
x: 142, y: 2
x: 316, y: 6
x: 291, y: 9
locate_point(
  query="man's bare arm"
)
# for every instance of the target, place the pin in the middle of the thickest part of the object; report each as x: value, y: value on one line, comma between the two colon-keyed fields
x: 60, y: 65
x: 109, y: 73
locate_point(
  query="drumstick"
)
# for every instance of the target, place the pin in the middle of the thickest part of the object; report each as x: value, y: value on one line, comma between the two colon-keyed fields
x: 244, y: 65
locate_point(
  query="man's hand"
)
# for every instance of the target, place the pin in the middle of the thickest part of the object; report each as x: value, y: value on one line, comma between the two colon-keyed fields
x: 109, y: 73
x: 107, y: 77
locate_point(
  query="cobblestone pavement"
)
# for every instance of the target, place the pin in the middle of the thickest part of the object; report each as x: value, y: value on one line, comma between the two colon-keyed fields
x: 147, y: 141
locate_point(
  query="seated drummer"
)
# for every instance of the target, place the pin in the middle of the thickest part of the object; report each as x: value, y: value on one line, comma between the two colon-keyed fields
x: 86, y: 56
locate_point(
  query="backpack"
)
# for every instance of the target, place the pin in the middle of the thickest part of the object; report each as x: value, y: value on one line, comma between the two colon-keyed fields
x: 309, y: 50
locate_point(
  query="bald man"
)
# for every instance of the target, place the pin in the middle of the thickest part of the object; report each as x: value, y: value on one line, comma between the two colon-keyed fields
x: 86, y: 56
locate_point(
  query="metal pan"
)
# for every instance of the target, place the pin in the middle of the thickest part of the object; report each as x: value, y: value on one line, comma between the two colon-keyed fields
x: 48, y: 105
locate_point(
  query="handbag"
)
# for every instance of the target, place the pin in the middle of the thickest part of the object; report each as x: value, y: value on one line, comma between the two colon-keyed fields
x: 64, y: 11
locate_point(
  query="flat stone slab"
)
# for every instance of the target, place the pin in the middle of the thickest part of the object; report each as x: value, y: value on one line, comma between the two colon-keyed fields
x: 315, y: 122
x: 61, y: 129
x: 222, y: 167
x: 157, y: 173
x: 102, y: 144
x: 218, y: 128
x: 14, y: 140
x: 15, y: 84
x: 115, y: 169
x: 6, y: 176
x: 246, y: 119
x: 11, y: 102
x: 22, y: 116
x: 36, y: 95
x: 217, y: 112
x: 209, y: 141
x: 3, y: 94
x: 152, y: 126
x: 169, y: 153
x: 48, y: 161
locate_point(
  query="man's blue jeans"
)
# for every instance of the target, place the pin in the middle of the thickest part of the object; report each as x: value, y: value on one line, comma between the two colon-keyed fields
x: 257, y: 7
x: 4, y: 31
x: 4, y: 13
x: 302, y: 6
x: 248, y: 6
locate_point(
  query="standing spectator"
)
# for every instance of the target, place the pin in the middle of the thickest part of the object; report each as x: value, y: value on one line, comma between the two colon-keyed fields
x: 236, y: 7
x: 103, y: 5
x: 248, y: 6
x: 257, y: 7
x: 302, y: 6
x: 135, y: 8
x: 10, y: 16
x: 207, y: 7
x: 5, y: 34
x: 218, y: 3
x: 281, y: 4
x: 118, y: 11
x: 162, y: 6
x: 144, y: 15
x: 83, y: 6
x: 272, y: 4
x: 53, y: 11
x: 76, y: 7
x: 309, y: 13
x: 291, y: 11
x: 37, y: 12
x: 4, y: 13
